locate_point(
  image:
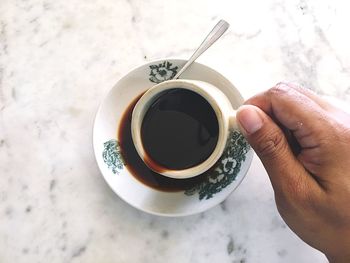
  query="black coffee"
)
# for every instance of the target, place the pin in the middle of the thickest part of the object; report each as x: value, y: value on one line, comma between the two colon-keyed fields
x: 180, y: 130
x: 137, y: 167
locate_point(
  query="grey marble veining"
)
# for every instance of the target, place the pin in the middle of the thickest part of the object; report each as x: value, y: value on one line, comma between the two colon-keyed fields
x: 57, y: 61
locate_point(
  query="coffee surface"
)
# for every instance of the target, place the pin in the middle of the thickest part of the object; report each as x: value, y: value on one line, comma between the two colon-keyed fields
x: 179, y: 130
x: 137, y: 167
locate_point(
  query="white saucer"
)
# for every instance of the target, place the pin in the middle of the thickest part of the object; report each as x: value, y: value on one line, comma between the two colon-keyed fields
x: 224, y: 179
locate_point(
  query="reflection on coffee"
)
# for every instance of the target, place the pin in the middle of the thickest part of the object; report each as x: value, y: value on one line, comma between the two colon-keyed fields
x: 179, y: 130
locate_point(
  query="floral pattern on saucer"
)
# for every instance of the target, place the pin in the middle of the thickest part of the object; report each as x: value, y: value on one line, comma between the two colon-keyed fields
x: 162, y: 72
x: 112, y: 156
x: 226, y: 169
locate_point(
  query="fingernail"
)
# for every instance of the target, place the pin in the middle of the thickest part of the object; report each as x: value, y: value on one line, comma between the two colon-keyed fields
x: 249, y: 119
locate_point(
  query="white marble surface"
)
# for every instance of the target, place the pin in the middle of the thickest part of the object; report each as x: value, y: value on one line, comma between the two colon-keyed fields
x: 57, y: 61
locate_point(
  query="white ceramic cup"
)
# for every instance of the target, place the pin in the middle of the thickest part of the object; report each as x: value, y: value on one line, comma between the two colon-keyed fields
x: 222, y: 107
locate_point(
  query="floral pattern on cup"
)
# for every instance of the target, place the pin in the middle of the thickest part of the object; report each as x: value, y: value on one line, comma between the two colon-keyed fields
x: 226, y: 169
x: 112, y: 156
x: 162, y: 72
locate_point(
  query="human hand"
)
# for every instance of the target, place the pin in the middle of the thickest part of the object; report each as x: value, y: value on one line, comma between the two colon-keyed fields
x: 304, y: 144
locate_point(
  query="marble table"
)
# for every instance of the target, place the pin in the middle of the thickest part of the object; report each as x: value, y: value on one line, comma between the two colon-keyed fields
x: 59, y: 58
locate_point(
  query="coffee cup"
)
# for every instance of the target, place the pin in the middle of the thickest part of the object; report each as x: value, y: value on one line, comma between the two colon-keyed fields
x: 224, y: 124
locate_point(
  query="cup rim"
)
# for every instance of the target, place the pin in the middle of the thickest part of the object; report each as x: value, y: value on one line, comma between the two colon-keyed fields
x: 209, y: 93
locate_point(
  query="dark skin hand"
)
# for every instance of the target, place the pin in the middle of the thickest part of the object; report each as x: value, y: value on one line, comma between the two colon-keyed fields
x: 304, y: 143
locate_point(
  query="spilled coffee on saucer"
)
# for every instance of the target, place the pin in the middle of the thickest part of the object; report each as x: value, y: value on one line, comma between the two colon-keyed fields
x: 179, y: 130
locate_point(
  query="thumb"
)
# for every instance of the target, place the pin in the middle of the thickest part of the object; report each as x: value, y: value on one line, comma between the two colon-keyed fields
x: 271, y: 145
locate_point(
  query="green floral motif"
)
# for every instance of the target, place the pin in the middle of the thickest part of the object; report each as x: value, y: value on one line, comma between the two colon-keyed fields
x: 112, y: 156
x: 162, y: 72
x: 226, y: 170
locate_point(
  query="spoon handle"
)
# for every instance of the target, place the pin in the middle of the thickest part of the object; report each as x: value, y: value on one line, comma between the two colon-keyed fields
x: 217, y: 31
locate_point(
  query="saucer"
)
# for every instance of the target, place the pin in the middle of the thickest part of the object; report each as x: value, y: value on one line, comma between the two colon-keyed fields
x: 217, y: 185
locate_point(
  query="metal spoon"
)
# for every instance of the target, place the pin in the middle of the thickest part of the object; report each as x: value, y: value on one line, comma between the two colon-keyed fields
x: 217, y: 31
